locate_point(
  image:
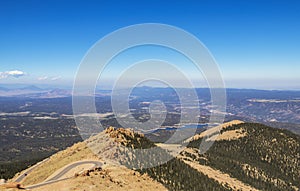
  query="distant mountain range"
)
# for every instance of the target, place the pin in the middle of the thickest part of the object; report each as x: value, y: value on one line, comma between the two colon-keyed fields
x: 33, y: 91
x: 7, y: 87
x: 31, y: 88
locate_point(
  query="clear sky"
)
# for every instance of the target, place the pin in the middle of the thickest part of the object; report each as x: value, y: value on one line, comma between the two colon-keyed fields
x: 255, y: 42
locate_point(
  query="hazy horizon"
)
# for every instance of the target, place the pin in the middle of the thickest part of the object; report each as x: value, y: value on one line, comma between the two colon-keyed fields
x: 70, y: 87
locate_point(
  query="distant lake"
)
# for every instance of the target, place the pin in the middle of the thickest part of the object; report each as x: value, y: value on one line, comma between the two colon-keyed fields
x: 187, y: 126
x: 194, y: 126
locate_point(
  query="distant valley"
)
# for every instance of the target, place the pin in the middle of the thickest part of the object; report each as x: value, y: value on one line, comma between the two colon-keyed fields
x: 35, y: 126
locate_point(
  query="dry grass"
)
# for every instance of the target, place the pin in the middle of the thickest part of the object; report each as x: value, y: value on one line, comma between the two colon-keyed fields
x: 173, y: 149
x: 110, y: 178
x: 217, y: 175
x: 213, y: 130
x: 229, y: 135
x: 75, y: 153
x: 221, y: 177
x: 116, y: 177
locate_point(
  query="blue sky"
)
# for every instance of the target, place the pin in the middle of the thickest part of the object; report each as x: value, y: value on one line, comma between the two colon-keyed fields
x: 255, y: 43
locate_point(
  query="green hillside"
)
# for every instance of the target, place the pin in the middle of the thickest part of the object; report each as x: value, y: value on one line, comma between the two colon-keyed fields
x: 267, y: 158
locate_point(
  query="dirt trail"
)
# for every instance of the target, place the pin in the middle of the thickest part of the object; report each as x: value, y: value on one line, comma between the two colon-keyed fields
x: 217, y: 175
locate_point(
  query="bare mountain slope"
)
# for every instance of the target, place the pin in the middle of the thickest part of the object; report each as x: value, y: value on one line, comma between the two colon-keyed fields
x: 245, y: 156
x: 107, y: 177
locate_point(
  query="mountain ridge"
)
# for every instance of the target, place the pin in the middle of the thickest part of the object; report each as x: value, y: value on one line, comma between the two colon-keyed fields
x: 228, y: 165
